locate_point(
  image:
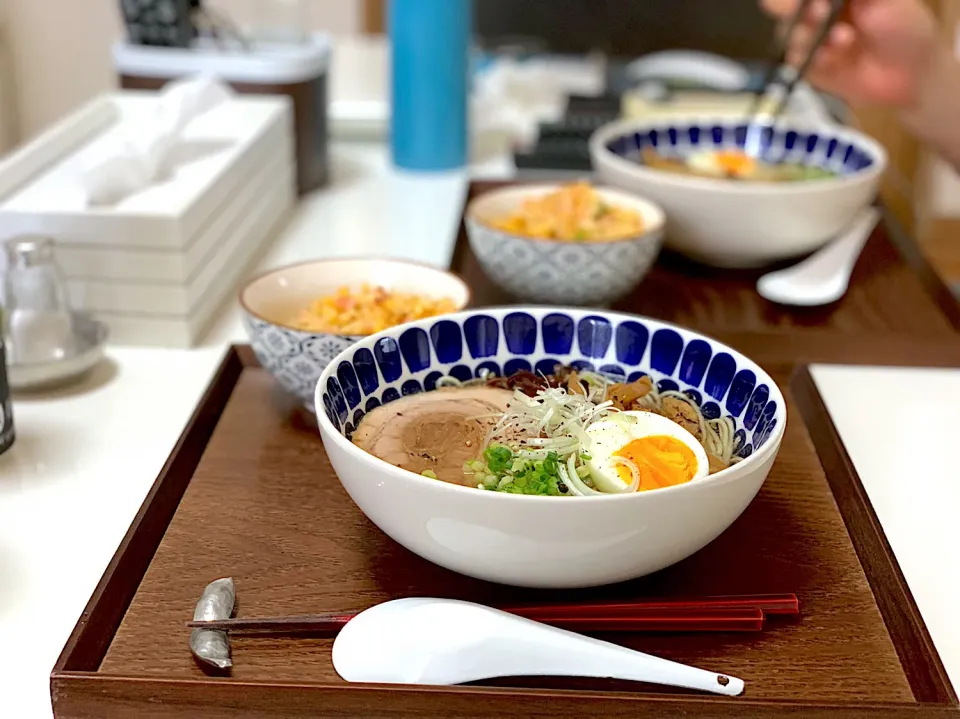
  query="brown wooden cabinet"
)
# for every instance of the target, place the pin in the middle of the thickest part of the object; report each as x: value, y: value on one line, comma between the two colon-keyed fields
x: 374, y: 16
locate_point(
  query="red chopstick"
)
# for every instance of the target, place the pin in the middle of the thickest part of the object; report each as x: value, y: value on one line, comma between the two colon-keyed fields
x: 712, y: 614
x: 730, y: 620
x: 724, y: 620
x: 779, y: 604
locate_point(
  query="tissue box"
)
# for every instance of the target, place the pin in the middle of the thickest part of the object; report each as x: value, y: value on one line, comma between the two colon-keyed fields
x: 220, y: 151
x: 158, y: 265
x: 187, y: 311
x: 115, y: 262
x: 296, y: 70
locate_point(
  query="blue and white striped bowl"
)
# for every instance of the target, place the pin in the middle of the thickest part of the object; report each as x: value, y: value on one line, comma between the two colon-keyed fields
x: 548, y: 541
x: 730, y: 223
x: 297, y: 357
x: 544, y: 271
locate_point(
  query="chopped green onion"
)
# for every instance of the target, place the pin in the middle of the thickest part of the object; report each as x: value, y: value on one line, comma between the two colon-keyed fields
x: 498, y: 458
x: 429, y: 473
x: 550, y: 463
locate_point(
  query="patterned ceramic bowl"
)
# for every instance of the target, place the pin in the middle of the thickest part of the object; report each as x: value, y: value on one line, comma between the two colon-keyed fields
x: 542, y: 541
x: 729, y: 223
x: 553, y: 272
x: 297, y: 358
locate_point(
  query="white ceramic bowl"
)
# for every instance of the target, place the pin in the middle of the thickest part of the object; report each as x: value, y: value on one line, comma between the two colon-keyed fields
x: 554, y: 272
x: 296, y: 358
x: 727, y: 223
x: 539, y: 541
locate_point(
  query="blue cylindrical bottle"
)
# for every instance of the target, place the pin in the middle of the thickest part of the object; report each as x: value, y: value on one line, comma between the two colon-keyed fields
x: 430, y: 68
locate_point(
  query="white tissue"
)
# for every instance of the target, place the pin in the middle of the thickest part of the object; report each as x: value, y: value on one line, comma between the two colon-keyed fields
x: 138, y: 159
x: 514, y: 96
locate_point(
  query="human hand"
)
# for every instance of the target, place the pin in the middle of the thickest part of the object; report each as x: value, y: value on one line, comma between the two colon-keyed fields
x: 878, y: 53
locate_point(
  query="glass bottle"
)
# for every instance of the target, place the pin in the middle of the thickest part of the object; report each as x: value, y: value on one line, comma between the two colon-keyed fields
x: 39, y: 326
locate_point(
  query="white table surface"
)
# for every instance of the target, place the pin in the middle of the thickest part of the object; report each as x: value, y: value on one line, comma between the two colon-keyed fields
x: 85, y: 458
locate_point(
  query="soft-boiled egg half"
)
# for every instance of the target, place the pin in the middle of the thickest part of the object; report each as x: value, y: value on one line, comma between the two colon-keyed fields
x: 663, y: 452
x: 723, y: 163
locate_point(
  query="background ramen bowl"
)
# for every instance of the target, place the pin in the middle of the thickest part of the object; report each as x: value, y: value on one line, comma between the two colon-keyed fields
x: 270, y: 302
x: 535, y: 541
x: 730, y: 223
x: 555, y: 272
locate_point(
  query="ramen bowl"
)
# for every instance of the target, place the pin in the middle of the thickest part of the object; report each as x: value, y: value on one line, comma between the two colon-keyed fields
x: 545, y: 271
x: 544, y: 541
x: 295, y: 357
x: 743, y: 223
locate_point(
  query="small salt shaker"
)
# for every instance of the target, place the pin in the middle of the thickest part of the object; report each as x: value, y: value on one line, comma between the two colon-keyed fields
x: 38, y: 320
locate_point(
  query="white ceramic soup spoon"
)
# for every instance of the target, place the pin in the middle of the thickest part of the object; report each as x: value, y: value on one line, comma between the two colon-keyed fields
x: 444, y: 641
x: 823, y: 277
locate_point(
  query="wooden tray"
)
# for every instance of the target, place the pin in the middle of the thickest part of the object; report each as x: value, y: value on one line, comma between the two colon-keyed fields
x: 248, y: 493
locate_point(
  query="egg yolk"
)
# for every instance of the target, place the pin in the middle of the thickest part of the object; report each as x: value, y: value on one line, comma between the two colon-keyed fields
x: 735, y: 163
x: 663, y: 461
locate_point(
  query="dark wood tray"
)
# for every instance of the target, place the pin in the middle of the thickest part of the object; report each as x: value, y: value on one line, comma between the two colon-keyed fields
x: 248, y: 493
x: 893, y: 290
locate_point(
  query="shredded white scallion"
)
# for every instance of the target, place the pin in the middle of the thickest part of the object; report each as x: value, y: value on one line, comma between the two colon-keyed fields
x: 572, y: 479
x: 634, y: 473
x: 565, y: 478
x: 557, y: 420
x: 554, y: 421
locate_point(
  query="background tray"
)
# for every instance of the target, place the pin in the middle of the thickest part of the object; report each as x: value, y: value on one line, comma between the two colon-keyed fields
x: 893, y: 290
x: 248, y: 492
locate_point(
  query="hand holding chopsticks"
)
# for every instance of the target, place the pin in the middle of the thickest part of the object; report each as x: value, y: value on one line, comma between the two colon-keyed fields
x: 711, y: 614
x: 774, y: 72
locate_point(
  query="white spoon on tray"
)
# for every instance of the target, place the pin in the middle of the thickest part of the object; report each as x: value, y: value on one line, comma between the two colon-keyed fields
x: 445, y: 641
x: 823, y: 277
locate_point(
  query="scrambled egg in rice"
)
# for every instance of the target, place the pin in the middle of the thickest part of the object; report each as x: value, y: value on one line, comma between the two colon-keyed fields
x: 367, y: 311
x: 574, y: 213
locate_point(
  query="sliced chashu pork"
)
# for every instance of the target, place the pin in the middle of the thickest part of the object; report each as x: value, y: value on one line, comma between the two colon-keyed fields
x: 436, y: 431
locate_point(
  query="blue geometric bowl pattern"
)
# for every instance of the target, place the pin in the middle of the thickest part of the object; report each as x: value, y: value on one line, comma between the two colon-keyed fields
x: 296, y: 359
x: 411, y: 358
x: 568, y: 273
x: 821, y: 148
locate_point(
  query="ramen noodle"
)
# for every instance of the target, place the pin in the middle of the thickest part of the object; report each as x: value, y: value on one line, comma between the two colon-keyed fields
x: 734, y: 165
x: 571, y: 433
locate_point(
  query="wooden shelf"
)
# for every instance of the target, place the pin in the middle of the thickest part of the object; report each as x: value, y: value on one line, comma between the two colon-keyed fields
x: 374, y: 17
